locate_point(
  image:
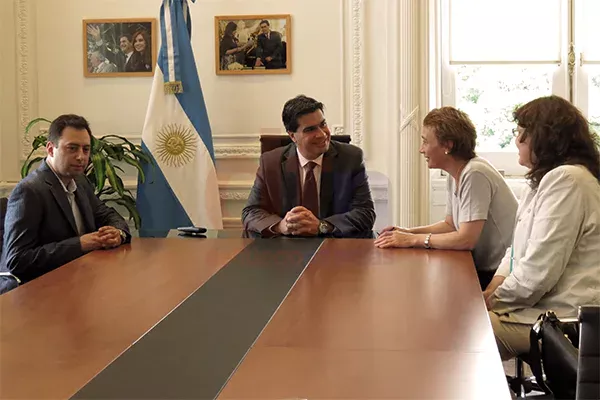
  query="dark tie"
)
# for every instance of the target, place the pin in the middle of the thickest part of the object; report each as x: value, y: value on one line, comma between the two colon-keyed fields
x: 310, y: 196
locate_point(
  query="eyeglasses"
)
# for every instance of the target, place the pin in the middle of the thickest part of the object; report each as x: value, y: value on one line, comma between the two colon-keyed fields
x: 515, y: 132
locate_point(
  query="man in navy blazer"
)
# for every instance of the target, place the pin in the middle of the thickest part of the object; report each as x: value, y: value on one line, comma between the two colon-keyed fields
x: 314, y: 186
x: 53, y: 215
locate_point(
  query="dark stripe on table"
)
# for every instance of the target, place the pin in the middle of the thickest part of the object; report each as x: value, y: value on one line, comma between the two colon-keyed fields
x: 195, y: 349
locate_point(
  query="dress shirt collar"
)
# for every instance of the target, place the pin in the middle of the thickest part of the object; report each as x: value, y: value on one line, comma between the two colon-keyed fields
x: 304, y: 161
x: 70, y: 188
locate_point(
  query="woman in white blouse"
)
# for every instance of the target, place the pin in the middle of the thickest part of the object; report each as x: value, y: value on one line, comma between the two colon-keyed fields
x: 554, y: 262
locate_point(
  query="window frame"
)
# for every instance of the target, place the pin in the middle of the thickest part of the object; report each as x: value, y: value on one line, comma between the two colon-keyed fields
x: 507, y: 161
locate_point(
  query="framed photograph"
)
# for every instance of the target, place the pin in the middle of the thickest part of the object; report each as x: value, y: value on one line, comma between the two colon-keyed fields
x: 253, y: 44
x: 119, y: 47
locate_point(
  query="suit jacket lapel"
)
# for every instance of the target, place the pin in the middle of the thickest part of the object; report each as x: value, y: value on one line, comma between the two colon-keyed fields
x: 85, y: 209
x: 291, y: 179
x: 59, y: 195
x: 326, y: 193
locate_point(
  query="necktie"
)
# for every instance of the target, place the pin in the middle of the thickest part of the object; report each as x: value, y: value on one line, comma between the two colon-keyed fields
x: 310, y: 197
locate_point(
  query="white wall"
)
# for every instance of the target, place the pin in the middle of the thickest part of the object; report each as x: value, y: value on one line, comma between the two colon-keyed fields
x: 47, y: 80
x: 236, y: 104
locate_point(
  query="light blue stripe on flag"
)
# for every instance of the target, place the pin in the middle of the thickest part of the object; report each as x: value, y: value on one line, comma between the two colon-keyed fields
x: 158, y: 206
x: 192, y: 99
x: 181, y: 189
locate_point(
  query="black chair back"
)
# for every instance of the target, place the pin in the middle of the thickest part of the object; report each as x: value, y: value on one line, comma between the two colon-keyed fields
x: 3, y: 205
x: 271, y: 142
x: 588, y: 370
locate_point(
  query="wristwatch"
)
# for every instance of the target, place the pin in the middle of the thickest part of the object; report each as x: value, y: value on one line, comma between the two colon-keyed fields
x: 426, y: 242
x: 325, y: 227
x: 123, y: 235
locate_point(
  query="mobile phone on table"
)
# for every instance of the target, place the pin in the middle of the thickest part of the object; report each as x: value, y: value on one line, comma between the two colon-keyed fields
x: 192, y: 234
x: 191, y: 229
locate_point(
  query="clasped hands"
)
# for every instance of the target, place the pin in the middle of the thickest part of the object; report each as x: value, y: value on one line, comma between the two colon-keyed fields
x: 299, y: 221
x: 393, y: 236
x: 107, y: 237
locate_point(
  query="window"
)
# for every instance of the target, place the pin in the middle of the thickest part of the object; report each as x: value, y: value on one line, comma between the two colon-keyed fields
x: 594, y: 99
x: 498, y: 54
x: 587, y: 34
x: 489, y: 94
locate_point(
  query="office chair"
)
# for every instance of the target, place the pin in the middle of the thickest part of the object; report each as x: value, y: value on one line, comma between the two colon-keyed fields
x: 588, y: 369
x: 271, y: 142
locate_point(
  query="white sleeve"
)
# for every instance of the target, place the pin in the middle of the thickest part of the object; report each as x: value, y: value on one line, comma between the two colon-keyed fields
x: 556, y: 223
x: 504, y: 267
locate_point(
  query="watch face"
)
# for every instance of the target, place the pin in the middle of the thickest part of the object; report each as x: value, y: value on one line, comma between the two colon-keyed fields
x: 322, y: 227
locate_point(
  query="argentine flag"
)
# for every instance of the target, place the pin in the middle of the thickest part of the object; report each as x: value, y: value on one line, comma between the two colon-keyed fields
x: 181, y: 189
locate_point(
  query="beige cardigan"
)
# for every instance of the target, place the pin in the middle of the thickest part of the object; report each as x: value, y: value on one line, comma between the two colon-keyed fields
x: 556, y: 264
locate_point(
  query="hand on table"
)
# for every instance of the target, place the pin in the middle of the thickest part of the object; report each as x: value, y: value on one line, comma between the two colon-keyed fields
x: 299, y: 221
x: 395, y: 238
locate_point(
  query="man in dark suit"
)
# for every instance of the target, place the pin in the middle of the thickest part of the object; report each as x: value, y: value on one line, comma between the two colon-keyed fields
x: 313, y: 186
x: 269, y: 50
x: 123, y: 59
x: 53, y: 215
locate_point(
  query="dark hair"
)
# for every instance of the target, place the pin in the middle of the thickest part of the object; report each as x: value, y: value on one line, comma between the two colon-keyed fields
x: 264, y: 21
x: 127, y: 36
x: 67, y: 120
x: 142, y: 59
x: 147, y: 39
x: 230, y: 28
x: 453, y: 125
x: 558, y: 134
x: 297, y: 107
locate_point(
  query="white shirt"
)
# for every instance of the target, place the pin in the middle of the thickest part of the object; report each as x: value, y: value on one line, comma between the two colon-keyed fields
x: 70, y: 192
x: 128, y: 56
x: 316, y: 171
x: 556, y: 256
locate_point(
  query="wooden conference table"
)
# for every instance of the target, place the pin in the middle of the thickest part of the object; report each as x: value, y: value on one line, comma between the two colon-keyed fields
x: 243, y: 318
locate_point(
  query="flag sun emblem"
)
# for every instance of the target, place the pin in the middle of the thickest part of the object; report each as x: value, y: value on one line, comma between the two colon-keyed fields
x: 176, y: 145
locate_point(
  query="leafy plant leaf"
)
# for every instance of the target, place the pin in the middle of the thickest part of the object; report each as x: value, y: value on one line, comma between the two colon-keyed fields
x: 133, y: 212
x: 39, y: 141
x: 116, y: 184
x: 99, y: 171
x: 143, y: 156
x: 35, y: 121
x: 26, y: 168
x: 132, y: 161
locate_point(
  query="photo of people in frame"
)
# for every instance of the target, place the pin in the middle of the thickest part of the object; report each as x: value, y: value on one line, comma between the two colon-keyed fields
x: 119, y: 47
x: 253, y: 44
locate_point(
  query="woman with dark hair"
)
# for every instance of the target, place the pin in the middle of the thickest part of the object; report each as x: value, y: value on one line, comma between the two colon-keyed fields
x: 141, y: 59
x: 230, y: 50
x: 554, y: 262
x: 480, y: 209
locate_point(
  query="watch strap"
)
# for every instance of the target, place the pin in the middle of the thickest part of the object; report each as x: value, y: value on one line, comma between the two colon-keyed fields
x: 427, y: 243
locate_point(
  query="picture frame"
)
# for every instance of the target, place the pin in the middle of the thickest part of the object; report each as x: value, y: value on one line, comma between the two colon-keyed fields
x: 253, y: 44
x: 124, y: 47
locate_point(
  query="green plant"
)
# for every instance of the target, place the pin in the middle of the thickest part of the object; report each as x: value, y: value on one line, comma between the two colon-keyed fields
x: 102, y: 169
